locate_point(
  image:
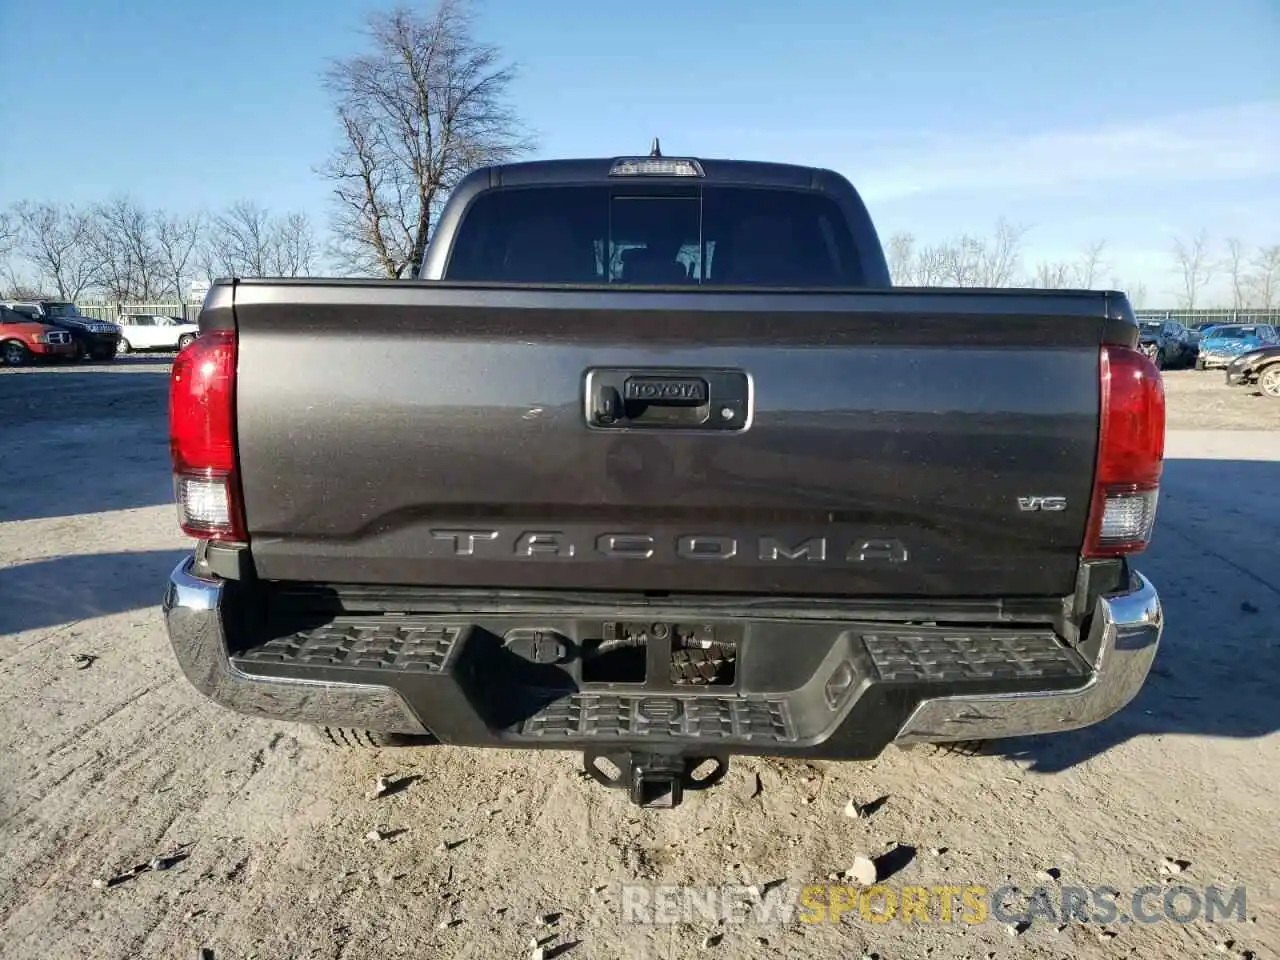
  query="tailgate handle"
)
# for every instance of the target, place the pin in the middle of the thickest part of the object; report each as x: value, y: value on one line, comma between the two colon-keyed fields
x: 621, y: 399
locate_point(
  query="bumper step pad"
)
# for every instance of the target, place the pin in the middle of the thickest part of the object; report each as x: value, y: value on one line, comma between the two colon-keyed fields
x: 606, y: 716
x: 967, y: 655
x: 358, y: 644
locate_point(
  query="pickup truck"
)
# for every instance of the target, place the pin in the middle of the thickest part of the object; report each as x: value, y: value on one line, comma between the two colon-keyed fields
x: 23, y: 339
x: 652, y: 462
x: 95, y: 339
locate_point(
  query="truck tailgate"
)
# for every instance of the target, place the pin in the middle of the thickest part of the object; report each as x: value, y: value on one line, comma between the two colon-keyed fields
x: 896, y: 442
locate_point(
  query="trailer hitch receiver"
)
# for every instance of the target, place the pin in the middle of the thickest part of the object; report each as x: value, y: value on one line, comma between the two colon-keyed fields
x: 654, y: 780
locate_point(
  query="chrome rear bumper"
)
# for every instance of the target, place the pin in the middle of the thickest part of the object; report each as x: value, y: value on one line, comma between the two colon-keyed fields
x: 194, y: 609
x: 1118, y: 654
x: 1125, y: 638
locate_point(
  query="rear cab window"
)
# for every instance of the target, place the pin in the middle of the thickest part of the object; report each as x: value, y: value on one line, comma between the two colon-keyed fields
x: 688, y: 235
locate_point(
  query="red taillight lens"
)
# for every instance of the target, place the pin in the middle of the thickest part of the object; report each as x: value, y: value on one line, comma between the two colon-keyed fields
x: 1130, y: 454
x: 202, y: 388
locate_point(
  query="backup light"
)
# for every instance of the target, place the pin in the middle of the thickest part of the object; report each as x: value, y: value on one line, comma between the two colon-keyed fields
x: 203, y: 504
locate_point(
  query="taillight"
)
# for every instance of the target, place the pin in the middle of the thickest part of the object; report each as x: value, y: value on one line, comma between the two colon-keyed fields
x: 1130, y: 454
x: 202, y: 390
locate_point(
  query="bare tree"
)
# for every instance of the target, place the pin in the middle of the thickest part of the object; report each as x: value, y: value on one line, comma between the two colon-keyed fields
x: 21, y: 289
x: 8, y: 240
x: 291, y: 250
x: 122, y: 241
x: 115, y: 271
x: 246, y: 240
x: 1136, y: 292
x: 1091, y: 264
x: 1192, y: 261
x: 177, y: 238
x: 51, y: 239
x: 902, y: 259
x: 1264, y: 277
x: 1002, y: 263
x: 426, y: 105
x: 960, y: 261
x: 8, y: 232
x: 1054, y: 275
x: 239, y: 241
x: 970, y: 261
x: 1234, y: 262
x: 931, y: 266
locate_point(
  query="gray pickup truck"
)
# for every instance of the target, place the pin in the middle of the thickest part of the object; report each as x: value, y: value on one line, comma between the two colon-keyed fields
x: 652, y: 462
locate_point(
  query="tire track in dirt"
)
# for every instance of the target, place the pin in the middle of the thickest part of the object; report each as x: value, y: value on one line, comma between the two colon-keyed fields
x: 77, y: 733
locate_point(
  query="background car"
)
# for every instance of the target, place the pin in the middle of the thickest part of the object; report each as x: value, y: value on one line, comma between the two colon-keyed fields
x: 1260, y: 367
x: 149, y: 331
x: 1167, y: 342
x: 22, y: 339
x: 1222, y: 343
x: 96, y: 339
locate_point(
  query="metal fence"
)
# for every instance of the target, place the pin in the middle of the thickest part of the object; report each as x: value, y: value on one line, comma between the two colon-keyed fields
x: 111, y: 311
x: 1189, y: 318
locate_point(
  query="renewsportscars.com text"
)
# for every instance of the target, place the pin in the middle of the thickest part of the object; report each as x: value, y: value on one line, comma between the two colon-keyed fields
x: 968, y: 904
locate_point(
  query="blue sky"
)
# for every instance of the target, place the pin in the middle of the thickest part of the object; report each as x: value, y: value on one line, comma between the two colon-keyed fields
x: 1123, y: 120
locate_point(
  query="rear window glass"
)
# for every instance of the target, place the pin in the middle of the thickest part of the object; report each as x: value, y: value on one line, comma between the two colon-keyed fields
x: 708, y: 235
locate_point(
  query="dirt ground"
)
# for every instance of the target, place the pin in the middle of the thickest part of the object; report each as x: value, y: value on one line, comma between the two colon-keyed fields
x: 111, y: 763
x: 1201, y: 400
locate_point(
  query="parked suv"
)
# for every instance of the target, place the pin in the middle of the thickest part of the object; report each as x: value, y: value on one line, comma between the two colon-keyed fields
x: 93, y: 338
x: 1167, y: 342
x: 149, y: 331
x: 22, y: 339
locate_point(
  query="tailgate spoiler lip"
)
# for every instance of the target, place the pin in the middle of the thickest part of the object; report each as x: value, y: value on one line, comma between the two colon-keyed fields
x: 1103, y: 302
x: 1112, y: 310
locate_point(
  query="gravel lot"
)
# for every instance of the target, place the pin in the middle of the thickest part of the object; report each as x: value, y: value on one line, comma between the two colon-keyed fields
x: 108, y: 766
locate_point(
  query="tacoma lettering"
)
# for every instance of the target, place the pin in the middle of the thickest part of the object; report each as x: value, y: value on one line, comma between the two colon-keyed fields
x: 550, y: 543
x: 633, y: 546
x: 712, y: 547
x: 815, y: 548
x: 706, y: 548
x: 464, y: 541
